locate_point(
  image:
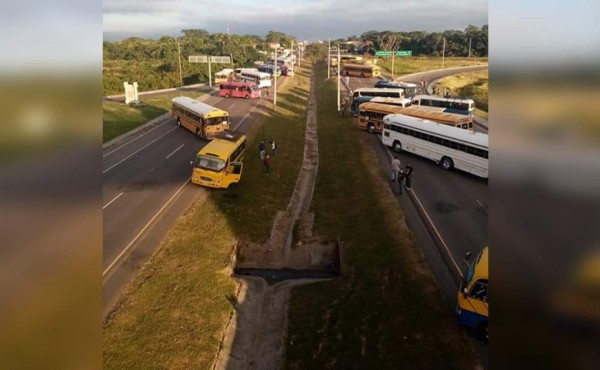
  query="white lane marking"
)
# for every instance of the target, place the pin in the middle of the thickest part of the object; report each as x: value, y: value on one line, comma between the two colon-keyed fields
x: 134, y: 139
x: 143, y: 230
x: 431, y: 223
x: 115, y: 198
x: 246, y: 116
x: 181, y: 146
x: 137, y: 151
x: 232, y: 105
x: 480, y: 204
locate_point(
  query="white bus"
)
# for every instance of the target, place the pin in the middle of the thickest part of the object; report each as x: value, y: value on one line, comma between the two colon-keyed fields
x: 261, y: 79
x: 453, y: 147
x: 372, y: 91
x: 401, y: 102
x: 448, y: 105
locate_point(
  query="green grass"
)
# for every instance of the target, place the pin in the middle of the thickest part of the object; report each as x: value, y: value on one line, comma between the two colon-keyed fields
x: 175, y: 310
x: 385, y: 310
x: 119, y: 118
x: 404, y: 66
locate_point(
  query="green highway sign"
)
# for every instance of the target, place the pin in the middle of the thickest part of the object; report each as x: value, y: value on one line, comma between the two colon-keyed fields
x: 404, y: 53
x: 383, y: 53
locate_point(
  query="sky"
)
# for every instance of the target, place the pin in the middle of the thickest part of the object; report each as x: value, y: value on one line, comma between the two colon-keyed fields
x: 304, y: 19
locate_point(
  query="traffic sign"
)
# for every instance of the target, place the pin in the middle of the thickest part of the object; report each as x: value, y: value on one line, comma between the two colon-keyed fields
x: 198, y: 59
x: 383, y: 53
x: 404, y: 53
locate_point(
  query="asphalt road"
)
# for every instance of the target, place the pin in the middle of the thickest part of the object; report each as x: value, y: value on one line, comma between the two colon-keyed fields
x: 455, y: 202
x: 146, y: 187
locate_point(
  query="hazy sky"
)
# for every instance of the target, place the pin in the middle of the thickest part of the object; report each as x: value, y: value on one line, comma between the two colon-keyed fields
x: 304, y: 19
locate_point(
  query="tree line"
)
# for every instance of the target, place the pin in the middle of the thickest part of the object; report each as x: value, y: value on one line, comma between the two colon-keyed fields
x: 154, y: 63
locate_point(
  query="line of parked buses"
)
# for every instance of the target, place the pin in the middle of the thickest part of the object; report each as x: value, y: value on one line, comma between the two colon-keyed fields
x: 437, y: 128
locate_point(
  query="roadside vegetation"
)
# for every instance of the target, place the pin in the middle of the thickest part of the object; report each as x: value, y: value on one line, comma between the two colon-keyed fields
x: 473, y: 85
x: 408, y: 65
x: 176, y: 309
x: 119, y: 117
x: 385, y: 310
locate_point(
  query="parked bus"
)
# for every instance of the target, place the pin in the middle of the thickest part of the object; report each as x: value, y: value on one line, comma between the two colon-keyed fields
x: 219, y: 163
x: 410, y: 89
x: 261, y: 79
x: 360, y: 70
x: 453, y: 147
x: 370, y: 116
x: 356, y: 102
x: 373, y: 92
x: 270, y: 69
x: 472, y: 308
x: 223, y: 76
x: 200, y: 118
x: 449, y: 105
x: 236, y: 89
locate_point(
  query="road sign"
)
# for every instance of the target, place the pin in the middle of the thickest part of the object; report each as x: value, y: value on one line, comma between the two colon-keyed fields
x: 383, y: 53
x: 404, y: 53
x: 224, y: 60
x: 198, y: 59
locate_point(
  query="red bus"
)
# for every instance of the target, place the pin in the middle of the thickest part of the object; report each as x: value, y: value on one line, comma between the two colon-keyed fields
x: 235, y: 89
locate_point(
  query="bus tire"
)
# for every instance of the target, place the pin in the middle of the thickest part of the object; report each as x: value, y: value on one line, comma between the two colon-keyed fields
x: 247, y: 97
x: 227, y: 95
x: 178, y: 122
x: 447, y: 164
x: 362, y: 75
x: 397, y: 146
x: 371, y: 128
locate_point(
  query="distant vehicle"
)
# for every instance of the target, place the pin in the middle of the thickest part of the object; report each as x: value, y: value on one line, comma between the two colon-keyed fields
x: 236, y: 89
x: 200, y: 118
x: 370, y: 116
x: 261, y: 79
x: 223, y: 76
x: 410, y: 89
x: 237, y: 72
x: 449, y: 105
x: 360, y: 70
x: 270, y: 69
x: 287, y: 70
x: 219, y: 163
x: 403, y: 102
x: 372, y: 91
x: 356, y: 102
x: 472, y: 307
x: 453, y: 147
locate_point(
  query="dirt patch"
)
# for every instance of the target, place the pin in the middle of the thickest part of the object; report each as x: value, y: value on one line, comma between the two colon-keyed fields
x: 255, y: 337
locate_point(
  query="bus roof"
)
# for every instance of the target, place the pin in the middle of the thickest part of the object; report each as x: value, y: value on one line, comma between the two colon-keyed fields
x: 370, y: 66
x: 226, y: 71
x: 406, y: 84
x: 239, y: 83
x: 255, y: 72
x: 194, y: 105
x: 456, y: 133
x: 386, y: 100
x: 457, y: 99
x: 376, y: 89
x: 415, y: 111
x: 222, y: 145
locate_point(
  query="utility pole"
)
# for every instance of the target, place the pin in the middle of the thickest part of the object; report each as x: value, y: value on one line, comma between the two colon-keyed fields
x: 338, y: 79
x: 179, y: 54
x: 329, y: 60
x: 469, y: 47
x: 443, y: 52
x: 393, y: 53
x: 275, y: 75
x: 293, y: 60
x: 209, y: 74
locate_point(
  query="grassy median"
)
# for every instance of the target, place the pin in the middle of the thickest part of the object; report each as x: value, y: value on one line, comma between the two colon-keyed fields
x: 176, y: 309
x: 385, y: 310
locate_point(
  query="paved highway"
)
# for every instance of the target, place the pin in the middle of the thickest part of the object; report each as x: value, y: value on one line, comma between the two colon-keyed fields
x: 146, y: 187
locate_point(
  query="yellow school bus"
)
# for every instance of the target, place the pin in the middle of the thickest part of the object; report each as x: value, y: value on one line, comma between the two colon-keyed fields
x: 200, y: 118
x: 473, y: 308
x: 219, y: 163
x: 370, y: 115
x: 361, y: 70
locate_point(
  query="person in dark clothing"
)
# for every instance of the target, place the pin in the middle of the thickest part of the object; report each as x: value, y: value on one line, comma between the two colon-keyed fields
x: 266, y: 163
x: 408, y: 170
x: 400, y: 181
x: 262, y: 150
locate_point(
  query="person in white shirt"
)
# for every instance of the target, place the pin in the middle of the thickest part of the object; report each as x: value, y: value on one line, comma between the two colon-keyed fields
x: 396, y: 167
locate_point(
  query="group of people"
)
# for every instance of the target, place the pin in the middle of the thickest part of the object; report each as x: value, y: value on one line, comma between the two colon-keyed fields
x: 264, y: 157
x: 401, y: 175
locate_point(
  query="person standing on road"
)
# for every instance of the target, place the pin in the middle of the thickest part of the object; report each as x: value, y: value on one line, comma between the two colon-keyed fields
x: 396, y: 167
x: 408, y: 170
x: 401, y: 181
x: 266, y: 163
x: 273, y: 147
x: 267, y: 94
x: 262, y: 150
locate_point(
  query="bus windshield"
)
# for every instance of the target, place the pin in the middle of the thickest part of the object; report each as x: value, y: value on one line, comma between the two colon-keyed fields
x: 211, y: 163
